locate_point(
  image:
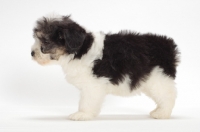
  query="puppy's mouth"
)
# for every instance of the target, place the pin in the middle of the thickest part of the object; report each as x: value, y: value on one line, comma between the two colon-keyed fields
x: 39, y: 59
x: 41, y: 62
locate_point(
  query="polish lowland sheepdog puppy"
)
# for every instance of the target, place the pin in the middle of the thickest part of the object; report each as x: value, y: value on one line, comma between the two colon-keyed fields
x: 123, y: 64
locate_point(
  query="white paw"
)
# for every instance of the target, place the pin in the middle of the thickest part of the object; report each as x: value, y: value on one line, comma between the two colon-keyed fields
x: 160, y: 113
x: 81, y: 116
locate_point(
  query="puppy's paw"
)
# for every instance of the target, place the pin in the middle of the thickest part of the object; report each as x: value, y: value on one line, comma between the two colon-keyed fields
x: 81, y: 116
x: 160, y: 113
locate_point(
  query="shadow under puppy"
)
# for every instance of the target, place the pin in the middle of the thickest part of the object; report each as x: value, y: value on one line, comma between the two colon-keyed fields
x: 123, y: 64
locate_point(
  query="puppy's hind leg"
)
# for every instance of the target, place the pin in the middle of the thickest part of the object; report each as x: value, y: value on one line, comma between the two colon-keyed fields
x: 161, y: 89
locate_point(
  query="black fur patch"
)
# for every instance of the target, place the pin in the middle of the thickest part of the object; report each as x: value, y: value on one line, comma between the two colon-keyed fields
x: 85, y: 47
x: 74, y: 36
x: 135, y: 55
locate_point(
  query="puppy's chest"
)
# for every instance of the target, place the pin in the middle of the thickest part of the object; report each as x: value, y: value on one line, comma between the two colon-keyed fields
x: 78, y: 73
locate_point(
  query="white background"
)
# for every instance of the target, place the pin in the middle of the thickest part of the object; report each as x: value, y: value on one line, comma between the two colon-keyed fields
x: 36, y: 98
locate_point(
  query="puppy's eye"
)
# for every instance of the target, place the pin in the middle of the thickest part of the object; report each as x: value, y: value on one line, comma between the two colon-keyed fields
x: 42, y: 49
x: 46, y: 42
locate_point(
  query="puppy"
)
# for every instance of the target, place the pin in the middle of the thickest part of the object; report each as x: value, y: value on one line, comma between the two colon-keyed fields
x: 123, y: 64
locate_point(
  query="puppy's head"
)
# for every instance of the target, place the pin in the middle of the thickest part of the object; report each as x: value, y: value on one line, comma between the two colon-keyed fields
x: 56, y: 36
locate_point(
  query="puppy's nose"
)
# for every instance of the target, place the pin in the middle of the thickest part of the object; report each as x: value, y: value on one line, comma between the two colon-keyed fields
x: 32, y: 53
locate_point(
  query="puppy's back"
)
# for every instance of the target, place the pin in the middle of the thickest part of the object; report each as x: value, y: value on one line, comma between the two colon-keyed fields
x: 135, y: 55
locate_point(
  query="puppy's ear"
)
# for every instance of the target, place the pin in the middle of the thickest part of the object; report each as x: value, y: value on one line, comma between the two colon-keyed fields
x: 74, y: 37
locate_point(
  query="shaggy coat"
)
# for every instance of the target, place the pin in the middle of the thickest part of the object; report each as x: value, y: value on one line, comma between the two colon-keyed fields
x: 124, y: 64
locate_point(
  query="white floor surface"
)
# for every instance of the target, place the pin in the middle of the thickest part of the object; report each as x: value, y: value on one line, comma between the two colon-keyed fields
x: 54, y: 119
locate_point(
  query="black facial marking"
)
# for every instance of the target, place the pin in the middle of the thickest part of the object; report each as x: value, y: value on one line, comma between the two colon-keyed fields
x: 135, y: 55
x: 51, y: 35
x: 63, y: 34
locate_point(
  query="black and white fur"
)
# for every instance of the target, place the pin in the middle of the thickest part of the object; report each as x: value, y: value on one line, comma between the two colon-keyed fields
x: 123, y: 64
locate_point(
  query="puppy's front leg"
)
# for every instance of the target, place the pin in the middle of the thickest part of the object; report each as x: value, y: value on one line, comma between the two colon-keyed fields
x: 90, y: 104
